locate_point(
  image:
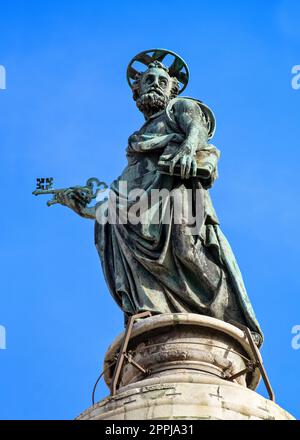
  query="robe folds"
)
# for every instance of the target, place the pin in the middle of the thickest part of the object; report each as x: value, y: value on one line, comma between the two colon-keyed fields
x: 169, y: 267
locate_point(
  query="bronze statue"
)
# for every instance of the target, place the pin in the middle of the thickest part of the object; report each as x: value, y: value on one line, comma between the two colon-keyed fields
x: 159, y: 266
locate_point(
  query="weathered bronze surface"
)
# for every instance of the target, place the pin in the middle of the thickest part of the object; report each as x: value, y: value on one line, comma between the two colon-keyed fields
x: 158, y: 267
x: 81, y: 194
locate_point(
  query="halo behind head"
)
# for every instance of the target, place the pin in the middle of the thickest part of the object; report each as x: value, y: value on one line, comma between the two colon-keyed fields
x: 177, y: 68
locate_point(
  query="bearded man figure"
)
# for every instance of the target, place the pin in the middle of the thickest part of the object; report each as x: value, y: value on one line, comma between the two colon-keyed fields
x: 168, y: 267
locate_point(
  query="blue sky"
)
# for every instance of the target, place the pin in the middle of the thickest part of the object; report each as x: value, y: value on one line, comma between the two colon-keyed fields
x: 67, y: 112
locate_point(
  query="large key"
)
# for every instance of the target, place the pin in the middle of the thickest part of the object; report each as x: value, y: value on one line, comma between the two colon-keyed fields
x: 88, y: 192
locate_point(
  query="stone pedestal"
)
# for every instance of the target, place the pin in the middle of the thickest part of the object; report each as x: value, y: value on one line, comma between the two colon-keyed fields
x: 189, y: 360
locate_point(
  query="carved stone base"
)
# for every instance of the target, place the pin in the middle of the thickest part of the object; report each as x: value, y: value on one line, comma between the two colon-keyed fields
x: 189, y: 359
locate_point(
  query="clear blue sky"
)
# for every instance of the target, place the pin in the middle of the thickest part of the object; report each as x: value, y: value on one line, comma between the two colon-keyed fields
x: 67, y: 112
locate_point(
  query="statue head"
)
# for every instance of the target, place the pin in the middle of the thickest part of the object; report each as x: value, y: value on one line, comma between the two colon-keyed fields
x: 154, y: 88
x: 166, y: 76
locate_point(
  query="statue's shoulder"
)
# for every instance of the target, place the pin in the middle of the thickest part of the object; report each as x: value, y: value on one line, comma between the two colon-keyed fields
x: 184, y: 103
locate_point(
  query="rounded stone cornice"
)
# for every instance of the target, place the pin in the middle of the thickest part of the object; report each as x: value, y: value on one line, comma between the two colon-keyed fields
x: 184, y: 342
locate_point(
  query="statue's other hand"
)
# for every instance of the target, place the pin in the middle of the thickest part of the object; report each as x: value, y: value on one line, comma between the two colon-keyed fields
x: 185, y: 157
x: 72, y: 198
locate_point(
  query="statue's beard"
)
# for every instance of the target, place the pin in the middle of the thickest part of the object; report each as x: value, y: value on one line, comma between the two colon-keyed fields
x: 151, y: 103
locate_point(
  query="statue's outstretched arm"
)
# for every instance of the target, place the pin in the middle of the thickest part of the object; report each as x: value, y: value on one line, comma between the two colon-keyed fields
x: 72, y: 198
x: 75, y: 197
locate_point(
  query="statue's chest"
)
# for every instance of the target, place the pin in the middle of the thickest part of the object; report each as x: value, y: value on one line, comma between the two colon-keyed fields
x: 156, y: 126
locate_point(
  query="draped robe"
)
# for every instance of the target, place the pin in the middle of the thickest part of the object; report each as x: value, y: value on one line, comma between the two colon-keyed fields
x: 162, y: 267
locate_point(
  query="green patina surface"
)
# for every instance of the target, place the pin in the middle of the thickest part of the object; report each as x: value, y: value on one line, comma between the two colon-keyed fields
x: 161, y: 267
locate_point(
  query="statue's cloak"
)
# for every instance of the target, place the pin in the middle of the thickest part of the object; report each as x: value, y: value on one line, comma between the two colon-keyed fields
x: 164, y: 268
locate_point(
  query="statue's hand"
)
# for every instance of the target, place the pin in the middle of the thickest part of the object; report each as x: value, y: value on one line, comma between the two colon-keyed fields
x: 73, y: 198
x: 185, y: 156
